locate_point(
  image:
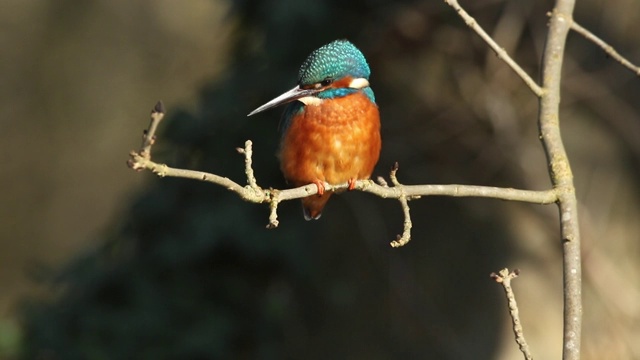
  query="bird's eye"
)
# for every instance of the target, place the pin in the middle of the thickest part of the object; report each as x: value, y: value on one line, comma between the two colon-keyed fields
x: 326, y: 82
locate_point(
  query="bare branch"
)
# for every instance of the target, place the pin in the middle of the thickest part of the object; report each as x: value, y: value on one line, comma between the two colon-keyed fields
x: 542, y: 197
x: 604, y: 46
x: 561, y: 174
x: 401, y: 192
x: 504, y: 278
x: 138, y: 162
x: 500, y: 52
x: 252, y: 192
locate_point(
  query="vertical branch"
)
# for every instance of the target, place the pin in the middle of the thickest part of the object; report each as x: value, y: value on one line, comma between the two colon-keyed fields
x: 561, y: 175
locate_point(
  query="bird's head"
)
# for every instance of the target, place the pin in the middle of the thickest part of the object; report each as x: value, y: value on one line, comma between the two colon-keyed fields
x: 334, y: 70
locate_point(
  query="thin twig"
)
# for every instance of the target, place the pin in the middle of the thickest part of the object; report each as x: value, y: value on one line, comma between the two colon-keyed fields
x: 403, y: 239
x: 606, y: 47
x: 500, y: 52
x: 504, y: 278
x: 273, y: 211
x: 149, y: 135
x: 248, y: 165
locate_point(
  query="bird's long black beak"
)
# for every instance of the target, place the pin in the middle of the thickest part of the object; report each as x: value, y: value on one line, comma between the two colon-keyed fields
x: 291, y: 95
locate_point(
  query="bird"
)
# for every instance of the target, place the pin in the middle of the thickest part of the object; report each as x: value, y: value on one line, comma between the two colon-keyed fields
x: 330, y: 128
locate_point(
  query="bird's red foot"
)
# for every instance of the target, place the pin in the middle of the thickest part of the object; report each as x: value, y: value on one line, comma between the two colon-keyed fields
x: 352, y: 183
x: 320, y: 186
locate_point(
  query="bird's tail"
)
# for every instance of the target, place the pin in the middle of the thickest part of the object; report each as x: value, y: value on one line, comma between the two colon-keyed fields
x: 312, y: 206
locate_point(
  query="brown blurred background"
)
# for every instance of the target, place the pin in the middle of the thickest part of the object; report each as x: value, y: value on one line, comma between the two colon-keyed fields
x: 78, y: 81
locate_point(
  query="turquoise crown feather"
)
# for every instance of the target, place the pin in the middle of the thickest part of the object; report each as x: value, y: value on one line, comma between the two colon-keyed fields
x: 333, y: 61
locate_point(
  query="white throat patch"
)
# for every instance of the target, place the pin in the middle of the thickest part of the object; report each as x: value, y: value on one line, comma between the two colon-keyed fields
x: 310, y: 100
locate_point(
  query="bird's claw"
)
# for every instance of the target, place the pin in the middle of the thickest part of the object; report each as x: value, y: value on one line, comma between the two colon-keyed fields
x: 320, y: 185
x: 352, y: 183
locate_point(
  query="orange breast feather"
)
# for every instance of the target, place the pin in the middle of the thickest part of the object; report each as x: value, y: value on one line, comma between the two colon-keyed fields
x: 335, y: 141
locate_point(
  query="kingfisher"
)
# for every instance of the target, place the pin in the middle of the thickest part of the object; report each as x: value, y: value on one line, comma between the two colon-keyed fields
x: 330, y: 128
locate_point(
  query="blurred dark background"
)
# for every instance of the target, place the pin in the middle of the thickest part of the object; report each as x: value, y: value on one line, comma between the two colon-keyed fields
x: 100, y: 262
